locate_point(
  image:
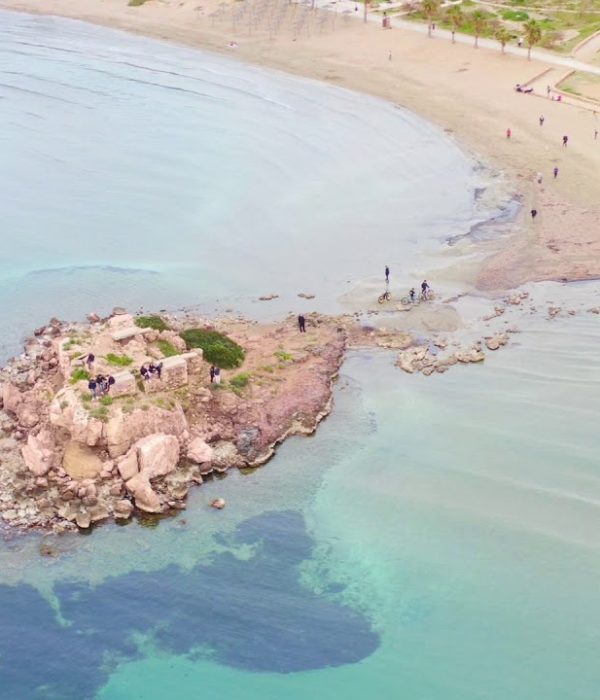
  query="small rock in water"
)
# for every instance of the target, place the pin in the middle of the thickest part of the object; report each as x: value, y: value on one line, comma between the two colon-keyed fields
x: 218, y: 503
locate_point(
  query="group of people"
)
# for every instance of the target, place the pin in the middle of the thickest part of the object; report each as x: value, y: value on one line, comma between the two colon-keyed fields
x: 100, y: 385
x: 425, y: 291
x: 151, y: 371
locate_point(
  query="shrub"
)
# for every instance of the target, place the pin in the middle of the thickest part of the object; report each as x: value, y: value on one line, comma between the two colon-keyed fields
x: 283, y: 356
x: 101, y: 413
x: 167, y: 349
x: 155, y: 322
x: 118, y: 360
x: 136, y: 3
x: 240, y: 380
x: 78, y: 374
x: 106, y: 400
x: 216, y: 347
x: 63, y: 405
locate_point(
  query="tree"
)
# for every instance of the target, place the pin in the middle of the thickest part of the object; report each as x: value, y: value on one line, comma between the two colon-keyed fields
x: 503, y: 36
x: 431, y: 9
x: 479, y: 20
x: 533, y: 35
x: 457, y: 19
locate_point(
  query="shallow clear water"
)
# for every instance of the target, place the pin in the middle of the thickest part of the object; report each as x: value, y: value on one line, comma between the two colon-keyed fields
x: 140, y: 173
x: 436, y: 540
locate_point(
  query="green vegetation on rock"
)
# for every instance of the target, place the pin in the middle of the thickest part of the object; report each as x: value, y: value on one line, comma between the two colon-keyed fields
x: 155, y: 322
x: 78, y: 374
x: 240, y: 380
x: 118, y: 360
x: 167, y: 349
x: 216, y: 347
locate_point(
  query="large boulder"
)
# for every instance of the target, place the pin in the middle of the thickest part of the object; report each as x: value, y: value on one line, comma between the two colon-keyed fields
x: 145, y: 498
x: 199, y: 451
x: 37, y: 456
x: 11, y: 397
x: 128, y: 465
x: 123, y: 429
x: 80, y: 462
x: 157, y: 455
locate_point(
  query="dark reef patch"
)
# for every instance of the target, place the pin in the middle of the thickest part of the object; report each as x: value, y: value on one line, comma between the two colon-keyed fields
x: 250, y: 613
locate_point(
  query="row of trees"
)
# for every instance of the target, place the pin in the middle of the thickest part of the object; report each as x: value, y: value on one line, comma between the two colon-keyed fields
x: 480, y: 22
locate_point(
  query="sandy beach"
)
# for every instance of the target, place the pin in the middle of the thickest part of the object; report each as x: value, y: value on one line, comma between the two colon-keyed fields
x: 468, y: 92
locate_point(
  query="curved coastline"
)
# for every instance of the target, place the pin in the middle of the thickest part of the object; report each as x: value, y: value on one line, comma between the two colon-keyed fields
x: 470, y: 95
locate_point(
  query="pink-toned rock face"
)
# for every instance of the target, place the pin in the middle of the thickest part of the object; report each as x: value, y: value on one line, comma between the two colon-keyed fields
x: 145, y: 498
x: 128, y: 465
x: 175, y: 339
x: 123, y: 429
x: 157, y: 455
x: 198, y: 451
x: 37, y: 457
x: 11, y: 397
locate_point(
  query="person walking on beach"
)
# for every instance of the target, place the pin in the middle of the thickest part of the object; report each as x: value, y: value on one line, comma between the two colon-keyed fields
x: 424, y: 289
x: 542, y: 120
x: 301, y: 324
x: 596, y: 135
x: 555, y: 173
x: 565, y: 141
x: 533, y: 214
x: 212, y: 374
x: 411, y: 294
x: 387, y: 274
x: 508, y: 133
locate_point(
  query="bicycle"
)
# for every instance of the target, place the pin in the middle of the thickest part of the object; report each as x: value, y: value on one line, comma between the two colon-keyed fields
x: 423, y: 296
x: 386, y: 296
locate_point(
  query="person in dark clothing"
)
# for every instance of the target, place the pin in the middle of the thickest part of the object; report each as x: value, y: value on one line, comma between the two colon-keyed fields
x: 212, y: 374
x: 533, y: 213
x: 109, y: 382
x: 555, y: 171
x: 302, y: 323
x: 387, y: 274
x: 90, y: 361
x: 93, y: 387
x: 411, y: 294
x: 159, y: 367
x: 565, y: 141
x: 144, y: 372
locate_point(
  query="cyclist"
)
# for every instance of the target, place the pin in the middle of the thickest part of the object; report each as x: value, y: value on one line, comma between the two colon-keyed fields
x: 425, y: 288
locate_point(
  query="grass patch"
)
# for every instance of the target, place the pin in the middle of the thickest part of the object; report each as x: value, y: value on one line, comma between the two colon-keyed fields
x: 283, y: 356
x: 216, y: 347
x: 167, y: 349
x: 515, y: 15
x: 118, y: 360
x: 106, y: 400
x: 63, y: 405
x: 100, y: 413
x: 71, y: 343
x: 240, y: 380
x: 136, y: 3
x: 155, y: 322
x: 79, y: 374
x: 268, y: 368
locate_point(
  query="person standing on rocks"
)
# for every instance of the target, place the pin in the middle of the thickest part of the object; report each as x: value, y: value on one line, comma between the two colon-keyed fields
x: 90, y: 359
x: 301, y: 324
x: 217, y: 375
x: 212, y: 374
x: 92, y: 386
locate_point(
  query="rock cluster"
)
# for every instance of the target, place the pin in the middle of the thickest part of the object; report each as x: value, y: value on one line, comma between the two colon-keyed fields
x: 67, y: 460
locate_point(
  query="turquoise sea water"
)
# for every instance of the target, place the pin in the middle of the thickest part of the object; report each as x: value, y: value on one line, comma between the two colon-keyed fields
x: 436, y: 540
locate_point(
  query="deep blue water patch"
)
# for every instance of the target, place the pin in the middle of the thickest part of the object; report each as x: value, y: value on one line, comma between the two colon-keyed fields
x: 250, y: 613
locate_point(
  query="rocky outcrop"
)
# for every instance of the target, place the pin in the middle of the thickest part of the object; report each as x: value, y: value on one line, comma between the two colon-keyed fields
x: 123, y: 429
x: 157, y: 455
x: 199, y: 451
x: 37, y: 455
x: 145, y: 498
x: 81, y: 462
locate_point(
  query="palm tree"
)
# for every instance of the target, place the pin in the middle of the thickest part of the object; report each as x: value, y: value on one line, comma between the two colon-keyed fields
x: 431, y: 9
x: 533, y: 34
x: 457, y: 19
x: 479, y: 20
x: 503, y: 36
